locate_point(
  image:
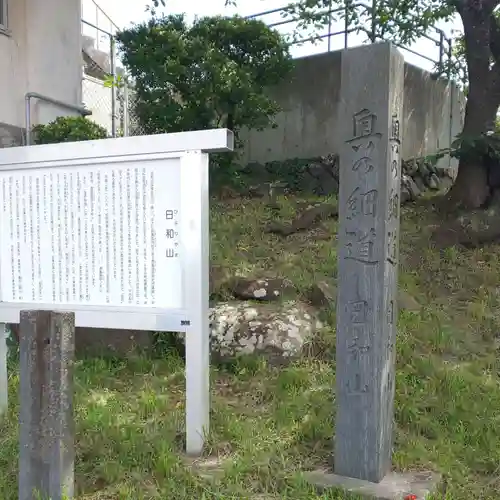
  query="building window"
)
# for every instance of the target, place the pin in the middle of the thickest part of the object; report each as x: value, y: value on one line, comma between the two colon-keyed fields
x: 3, y: 14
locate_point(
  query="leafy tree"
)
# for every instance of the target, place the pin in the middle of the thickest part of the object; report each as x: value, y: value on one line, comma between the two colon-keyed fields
x: 213, y: 73
x: 404, y: 22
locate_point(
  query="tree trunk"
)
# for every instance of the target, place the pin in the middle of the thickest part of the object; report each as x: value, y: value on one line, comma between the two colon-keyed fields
x: 471, y: 188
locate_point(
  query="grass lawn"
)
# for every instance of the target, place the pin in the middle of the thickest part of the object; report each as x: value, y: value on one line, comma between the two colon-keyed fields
x: 269, y: 424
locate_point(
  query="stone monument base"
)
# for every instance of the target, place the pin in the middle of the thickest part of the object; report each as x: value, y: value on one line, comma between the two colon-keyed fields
x: 394, y: 486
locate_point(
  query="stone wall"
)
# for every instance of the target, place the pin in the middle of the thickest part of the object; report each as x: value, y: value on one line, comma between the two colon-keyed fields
x: 320, y: 176
x: 306, y: 128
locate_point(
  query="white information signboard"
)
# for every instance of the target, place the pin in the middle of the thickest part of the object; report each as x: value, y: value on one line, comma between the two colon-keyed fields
x: 115, y: 230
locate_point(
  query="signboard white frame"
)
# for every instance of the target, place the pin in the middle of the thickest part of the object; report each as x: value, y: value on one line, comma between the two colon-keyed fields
x: 191, y: 149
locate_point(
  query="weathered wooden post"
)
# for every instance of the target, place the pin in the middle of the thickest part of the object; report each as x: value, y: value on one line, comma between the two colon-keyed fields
x: 370, y: 121
x: 46, y: 428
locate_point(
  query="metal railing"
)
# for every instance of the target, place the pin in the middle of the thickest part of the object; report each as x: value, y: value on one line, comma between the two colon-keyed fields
x: 374, y: 30
x: 96, y: 18
x: 112, y: 105
x: 97, y: 95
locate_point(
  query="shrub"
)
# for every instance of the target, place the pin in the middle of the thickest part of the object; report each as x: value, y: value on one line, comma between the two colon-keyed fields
x: 68, y: 129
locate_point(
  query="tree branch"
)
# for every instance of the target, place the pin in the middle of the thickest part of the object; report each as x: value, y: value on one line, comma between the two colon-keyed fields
x: 458, y: 4
x: 490, y: 4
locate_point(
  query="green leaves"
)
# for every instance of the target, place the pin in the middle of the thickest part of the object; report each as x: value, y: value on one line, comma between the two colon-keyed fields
x: 401, y: 21
x: 68, y: 129
x: 211, y: 74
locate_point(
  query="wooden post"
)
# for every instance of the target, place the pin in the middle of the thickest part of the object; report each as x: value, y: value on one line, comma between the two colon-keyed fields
x: 46, y: 426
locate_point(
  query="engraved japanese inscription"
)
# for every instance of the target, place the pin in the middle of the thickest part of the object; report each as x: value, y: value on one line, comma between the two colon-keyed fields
x: 360, y: 203
x: 91, y: 235
x: 360, y: 246
x: 364, y: 141
x: 360, y: 228
x: 395, y: 182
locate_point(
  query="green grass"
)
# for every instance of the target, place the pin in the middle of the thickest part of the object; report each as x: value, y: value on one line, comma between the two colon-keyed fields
x: 271, y: 424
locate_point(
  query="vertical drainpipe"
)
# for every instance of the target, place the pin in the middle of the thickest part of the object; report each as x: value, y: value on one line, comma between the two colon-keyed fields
x: 126, y: 130
x: 113, y: 87
x: 27, y: 118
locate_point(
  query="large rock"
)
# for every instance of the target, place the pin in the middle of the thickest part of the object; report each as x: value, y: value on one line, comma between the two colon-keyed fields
x: 277, y: 331
x: 325, y: 175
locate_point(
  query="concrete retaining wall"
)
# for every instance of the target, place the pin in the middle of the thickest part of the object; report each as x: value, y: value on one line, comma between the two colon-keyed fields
x: 433, y: 113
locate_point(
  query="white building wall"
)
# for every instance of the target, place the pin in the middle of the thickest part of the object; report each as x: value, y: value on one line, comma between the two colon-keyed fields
x: 40, y: 52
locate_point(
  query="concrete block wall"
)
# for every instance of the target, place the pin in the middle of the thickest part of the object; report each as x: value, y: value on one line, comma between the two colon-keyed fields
x: 307, y: 127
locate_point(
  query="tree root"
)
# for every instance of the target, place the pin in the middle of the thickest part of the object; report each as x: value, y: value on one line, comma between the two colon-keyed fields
x: 306, y: 220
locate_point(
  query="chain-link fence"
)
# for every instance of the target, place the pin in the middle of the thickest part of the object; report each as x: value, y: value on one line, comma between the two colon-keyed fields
x: 98, y: 99
x: 99, y: 71
x: 106, y: 90
x: 129, y: 119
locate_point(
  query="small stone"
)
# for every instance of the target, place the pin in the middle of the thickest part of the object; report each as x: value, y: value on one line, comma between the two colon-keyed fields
x: 405, y: 194
x: 433, y: 182
x: 323, y: 294
x: 423, y: 170
x: 410, y: 167
x: 419, y: 182
x: 431, y: 167
x: 325, y: 175
x: 411, y: 187
x: 257, y: 191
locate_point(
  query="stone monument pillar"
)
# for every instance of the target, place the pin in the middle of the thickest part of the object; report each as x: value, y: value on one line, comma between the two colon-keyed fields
x: 370, y: 115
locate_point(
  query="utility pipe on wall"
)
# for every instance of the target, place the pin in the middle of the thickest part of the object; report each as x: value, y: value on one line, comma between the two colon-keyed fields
x: 112, y: 61
x: 35, y: 95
